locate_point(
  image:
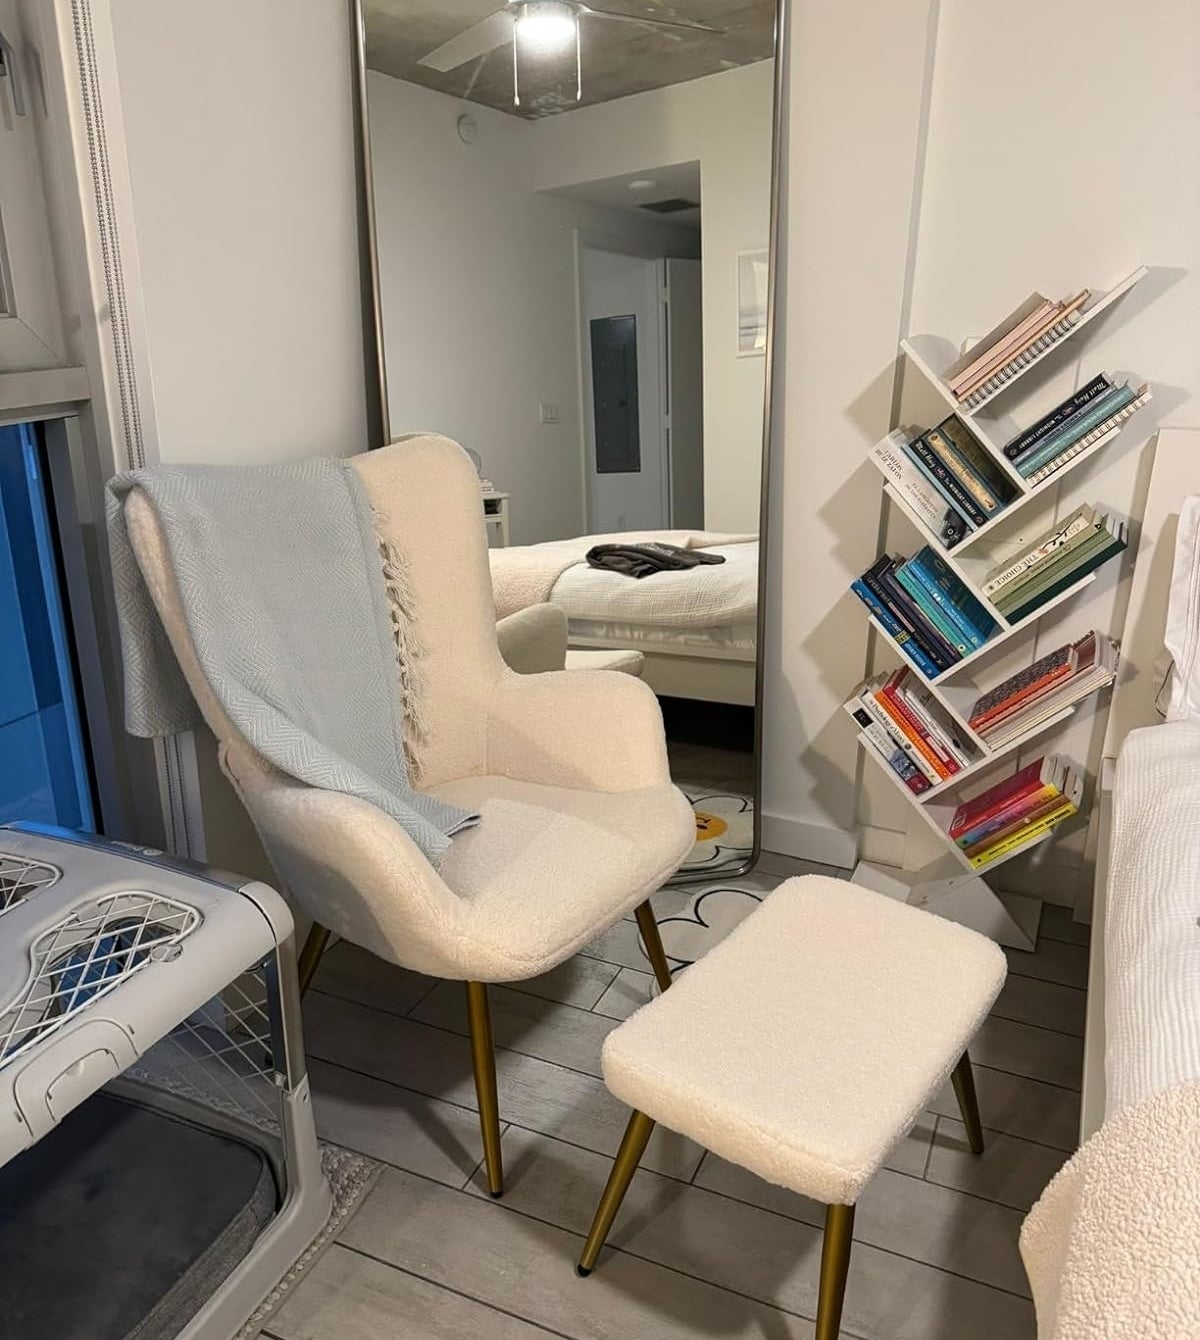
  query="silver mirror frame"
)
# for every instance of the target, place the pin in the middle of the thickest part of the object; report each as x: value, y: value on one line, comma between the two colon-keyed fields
x: 375, y: 367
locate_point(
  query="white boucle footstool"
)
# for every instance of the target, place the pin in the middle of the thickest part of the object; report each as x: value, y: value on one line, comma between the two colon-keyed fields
x: 804, y: 1047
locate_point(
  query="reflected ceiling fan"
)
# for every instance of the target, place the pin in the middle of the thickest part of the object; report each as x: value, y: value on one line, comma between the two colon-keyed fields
x: 538, y: 28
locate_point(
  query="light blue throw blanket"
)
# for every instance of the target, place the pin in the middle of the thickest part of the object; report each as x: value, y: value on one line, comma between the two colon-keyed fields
x: 282, y: 582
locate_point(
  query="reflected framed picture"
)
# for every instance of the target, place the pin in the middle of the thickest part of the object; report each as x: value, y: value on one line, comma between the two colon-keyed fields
x: 752, y: 280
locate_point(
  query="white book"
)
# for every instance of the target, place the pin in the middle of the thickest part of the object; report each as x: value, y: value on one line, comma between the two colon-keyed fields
x: 877, y: 714
x: 906, y: 477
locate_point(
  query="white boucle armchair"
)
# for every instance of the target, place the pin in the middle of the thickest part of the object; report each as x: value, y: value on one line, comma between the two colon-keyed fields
x: 580, y: 822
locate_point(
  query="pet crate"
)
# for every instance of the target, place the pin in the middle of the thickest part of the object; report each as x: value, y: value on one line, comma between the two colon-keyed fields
x: 159, y: 1167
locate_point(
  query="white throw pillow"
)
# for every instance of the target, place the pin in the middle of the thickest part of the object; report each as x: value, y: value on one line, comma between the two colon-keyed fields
x: 1183, y: 617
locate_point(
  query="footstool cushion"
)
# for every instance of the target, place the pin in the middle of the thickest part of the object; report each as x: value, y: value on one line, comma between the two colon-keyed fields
x: 805, y: 1045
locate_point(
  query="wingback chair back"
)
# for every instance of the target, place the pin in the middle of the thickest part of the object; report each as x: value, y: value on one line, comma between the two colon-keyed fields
x: 325, y: 845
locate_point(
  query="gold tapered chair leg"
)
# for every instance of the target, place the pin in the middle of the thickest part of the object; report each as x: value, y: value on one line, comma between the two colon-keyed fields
x: 483, y: 1061
x: 654, y: 945
x: 310, y: 956
x: 835, y: 1265
x: 968, y: 1102
x: 633, y: 1145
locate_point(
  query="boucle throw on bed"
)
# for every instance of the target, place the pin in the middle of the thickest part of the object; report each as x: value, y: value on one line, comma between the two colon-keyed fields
x: 298, y: 630
x: 1112, y: 1248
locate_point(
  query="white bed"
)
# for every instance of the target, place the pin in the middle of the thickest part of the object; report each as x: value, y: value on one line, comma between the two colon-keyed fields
x: 696, y: 628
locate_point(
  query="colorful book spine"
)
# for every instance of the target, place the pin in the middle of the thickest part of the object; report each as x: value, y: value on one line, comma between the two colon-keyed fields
x: 1033, y: 679
x: 1068, y: 579
x: 947, y: 452
x: 1016, y: 366
x: 976, y: 622
x: 896, y: 630
x: 931, y: 608
x: 1075, y: 524
x: 1112, y: 402
x: 945, y: 481
x: 939, y: 517
x: 1034, y: 800
x: 907, y: 727
x: 943, y: 653
x: 1030, y: 778
x: 1057, y: 416
x: 1081, y: 444
x: 922, y: 705
x: 896, y: 758
x: 900, y: 740
x: 1021, y: 839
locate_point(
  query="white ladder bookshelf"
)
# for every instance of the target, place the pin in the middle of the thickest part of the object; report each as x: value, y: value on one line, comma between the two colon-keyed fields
x: 949, y: 884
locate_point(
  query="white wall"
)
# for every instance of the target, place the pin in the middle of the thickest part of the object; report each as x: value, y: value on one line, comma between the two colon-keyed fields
x: 480, y: 294
x: 238, y: 128
x: 238, y: 132
x: 1015, y: 191
x: 724, y: 123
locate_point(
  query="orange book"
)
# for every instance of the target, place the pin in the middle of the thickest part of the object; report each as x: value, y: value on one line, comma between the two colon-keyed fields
x: 904, y: 724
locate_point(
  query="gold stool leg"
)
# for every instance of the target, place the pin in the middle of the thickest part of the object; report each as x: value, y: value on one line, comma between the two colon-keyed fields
x: 633, y: 1145
x: 310, y: 956
x: 835, y: 1265
x: 483, y: 1060
x: 654, y: 945
x: 968, y: 1102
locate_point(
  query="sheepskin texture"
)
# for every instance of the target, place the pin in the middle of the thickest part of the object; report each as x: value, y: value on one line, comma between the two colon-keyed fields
x: 1112, y: 1248
x: 804, y: 1046
x: 534, y: 640
x: 571, y: 767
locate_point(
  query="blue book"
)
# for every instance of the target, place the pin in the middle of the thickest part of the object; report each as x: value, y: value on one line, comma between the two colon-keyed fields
x: 932, y: 610
x: 936, y: 483
x: 882, y: 580
x: 972, y: 617
x: 1080, y: 423
x: 893, y: 625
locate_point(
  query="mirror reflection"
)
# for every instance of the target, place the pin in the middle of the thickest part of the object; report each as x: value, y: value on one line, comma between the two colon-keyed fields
x: 572, y: 212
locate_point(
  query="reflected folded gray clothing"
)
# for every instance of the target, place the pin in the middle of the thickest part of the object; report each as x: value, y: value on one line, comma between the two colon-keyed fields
x: 647, y: 557
x: 281, y: 580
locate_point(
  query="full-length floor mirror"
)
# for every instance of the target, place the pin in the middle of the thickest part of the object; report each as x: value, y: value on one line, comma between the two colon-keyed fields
x: 573, y: 217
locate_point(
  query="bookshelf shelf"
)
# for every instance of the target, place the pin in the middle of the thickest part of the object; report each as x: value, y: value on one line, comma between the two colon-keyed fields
x: 933, y: 355
x: 950, y: 885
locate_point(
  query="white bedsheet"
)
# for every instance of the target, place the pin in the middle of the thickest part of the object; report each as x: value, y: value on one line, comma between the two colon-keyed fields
x: 1152, y: 926
x: 708, y: 596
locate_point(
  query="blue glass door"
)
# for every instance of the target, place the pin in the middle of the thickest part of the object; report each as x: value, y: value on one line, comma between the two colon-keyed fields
x: 44, y: 771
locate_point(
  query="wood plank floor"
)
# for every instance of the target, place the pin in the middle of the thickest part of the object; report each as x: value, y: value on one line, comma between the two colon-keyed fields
x: 702, y: 1248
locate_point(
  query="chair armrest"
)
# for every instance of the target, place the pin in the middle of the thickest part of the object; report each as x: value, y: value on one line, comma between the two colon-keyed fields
x: 534, y: 640
x: 588, y: 730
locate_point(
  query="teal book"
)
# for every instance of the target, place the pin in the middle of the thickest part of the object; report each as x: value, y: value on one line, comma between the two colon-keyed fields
x: 1114, y: 546
x: 977, y: 623
x: 1076, y: 426
x: 932, y: 610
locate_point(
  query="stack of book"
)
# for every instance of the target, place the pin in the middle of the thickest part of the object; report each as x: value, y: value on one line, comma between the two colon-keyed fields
x: 1016, y: 811
x: 1027, y: 699
x: 910, y: 729
x: 1002, y: 353
x: 1070, y: 428
x: 1056, y: 560
x: 926, y: 608
x: 947, y: 476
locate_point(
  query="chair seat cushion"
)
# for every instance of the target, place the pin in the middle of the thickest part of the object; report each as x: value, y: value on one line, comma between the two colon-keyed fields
x: 547, y: 869
x: 805, y: 1045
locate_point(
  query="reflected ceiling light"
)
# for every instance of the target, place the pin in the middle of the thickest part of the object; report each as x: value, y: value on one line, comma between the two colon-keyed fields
x: 643, y: 184
x: 546, y: 27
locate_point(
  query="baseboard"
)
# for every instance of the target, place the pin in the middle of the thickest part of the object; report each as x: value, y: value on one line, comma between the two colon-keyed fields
x: 808, y: 841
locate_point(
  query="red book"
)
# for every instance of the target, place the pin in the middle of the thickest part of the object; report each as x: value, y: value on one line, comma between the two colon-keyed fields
x: 1003, y: 794
x: 1042, y: 810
